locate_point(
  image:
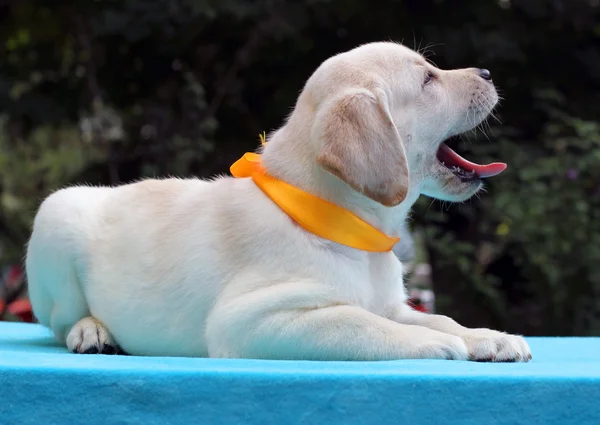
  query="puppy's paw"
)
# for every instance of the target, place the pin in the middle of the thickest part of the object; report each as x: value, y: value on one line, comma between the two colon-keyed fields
x: 438, y: 345
x: 89, y: 336
x: 486, y: 345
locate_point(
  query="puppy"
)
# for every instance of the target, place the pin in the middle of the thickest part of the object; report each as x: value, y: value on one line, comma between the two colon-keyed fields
x: 187, y: 267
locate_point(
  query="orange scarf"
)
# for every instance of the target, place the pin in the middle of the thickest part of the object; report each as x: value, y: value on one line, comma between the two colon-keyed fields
x: 314, y: 214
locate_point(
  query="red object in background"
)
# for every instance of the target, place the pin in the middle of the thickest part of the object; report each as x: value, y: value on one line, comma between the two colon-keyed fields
x: 22, y: 309
x: 13, y: 296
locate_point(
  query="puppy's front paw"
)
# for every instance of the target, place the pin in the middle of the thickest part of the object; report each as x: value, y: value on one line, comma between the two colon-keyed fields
x: 438, y: 345
x: 89, y: 336
x: 486, y: 345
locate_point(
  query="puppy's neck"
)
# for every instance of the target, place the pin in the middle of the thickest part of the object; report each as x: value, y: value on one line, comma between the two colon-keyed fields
x: 288, y: 156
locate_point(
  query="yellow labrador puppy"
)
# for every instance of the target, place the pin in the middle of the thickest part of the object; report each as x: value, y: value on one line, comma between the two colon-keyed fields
x: 215, y: 268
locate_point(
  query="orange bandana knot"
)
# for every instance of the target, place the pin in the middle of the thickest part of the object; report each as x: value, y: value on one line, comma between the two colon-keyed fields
x: 315, y: 215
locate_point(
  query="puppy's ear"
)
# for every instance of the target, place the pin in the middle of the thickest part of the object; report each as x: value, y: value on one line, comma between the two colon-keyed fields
x: 360, y: 144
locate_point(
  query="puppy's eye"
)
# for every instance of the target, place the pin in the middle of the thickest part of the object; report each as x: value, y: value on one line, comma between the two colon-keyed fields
x: 429, y: 77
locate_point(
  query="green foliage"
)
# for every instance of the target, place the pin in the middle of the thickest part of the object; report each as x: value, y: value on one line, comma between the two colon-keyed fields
x: 106, y: 92
x: 30, y: 167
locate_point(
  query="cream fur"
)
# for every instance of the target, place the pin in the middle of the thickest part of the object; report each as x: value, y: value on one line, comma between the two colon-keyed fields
x: 213, y: 268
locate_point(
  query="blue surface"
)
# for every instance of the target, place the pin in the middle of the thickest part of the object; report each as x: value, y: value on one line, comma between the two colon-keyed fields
x: 41, y: 383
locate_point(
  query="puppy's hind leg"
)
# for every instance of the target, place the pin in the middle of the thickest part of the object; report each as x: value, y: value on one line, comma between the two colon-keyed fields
x: 56, y: 265
x: 90, y: 336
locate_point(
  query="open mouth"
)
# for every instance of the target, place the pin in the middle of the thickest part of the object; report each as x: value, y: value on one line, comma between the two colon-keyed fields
x: 463, y: 169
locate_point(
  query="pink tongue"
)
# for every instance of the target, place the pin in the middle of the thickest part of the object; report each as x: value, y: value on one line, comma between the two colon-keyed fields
x: 451, y: 158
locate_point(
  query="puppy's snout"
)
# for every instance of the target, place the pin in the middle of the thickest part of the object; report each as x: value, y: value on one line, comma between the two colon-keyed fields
x: 485, y: 74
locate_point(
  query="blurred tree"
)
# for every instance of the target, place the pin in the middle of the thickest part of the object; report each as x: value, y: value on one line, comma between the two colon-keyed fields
x: 106, y: 92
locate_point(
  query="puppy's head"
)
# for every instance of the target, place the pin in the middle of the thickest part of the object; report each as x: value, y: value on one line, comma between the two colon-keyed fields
x: 382, y: 114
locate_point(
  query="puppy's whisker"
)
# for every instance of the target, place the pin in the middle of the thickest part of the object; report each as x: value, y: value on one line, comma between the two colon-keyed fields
x: 429, y: 48
x: 490, y: 128
x: 468, y: 118
x: 430, y: 204
x: 495, y: 117
x: 481, y: 126
x: 419, y: 48
x: 490, y: 106
x: 431, y: 62
x: 487, y: 127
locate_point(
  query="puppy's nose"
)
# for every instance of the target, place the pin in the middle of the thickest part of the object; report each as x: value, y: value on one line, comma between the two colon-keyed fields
x: 485, y: 74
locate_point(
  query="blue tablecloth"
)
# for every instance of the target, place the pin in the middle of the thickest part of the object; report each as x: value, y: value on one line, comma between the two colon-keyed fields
x: 41, y: 383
